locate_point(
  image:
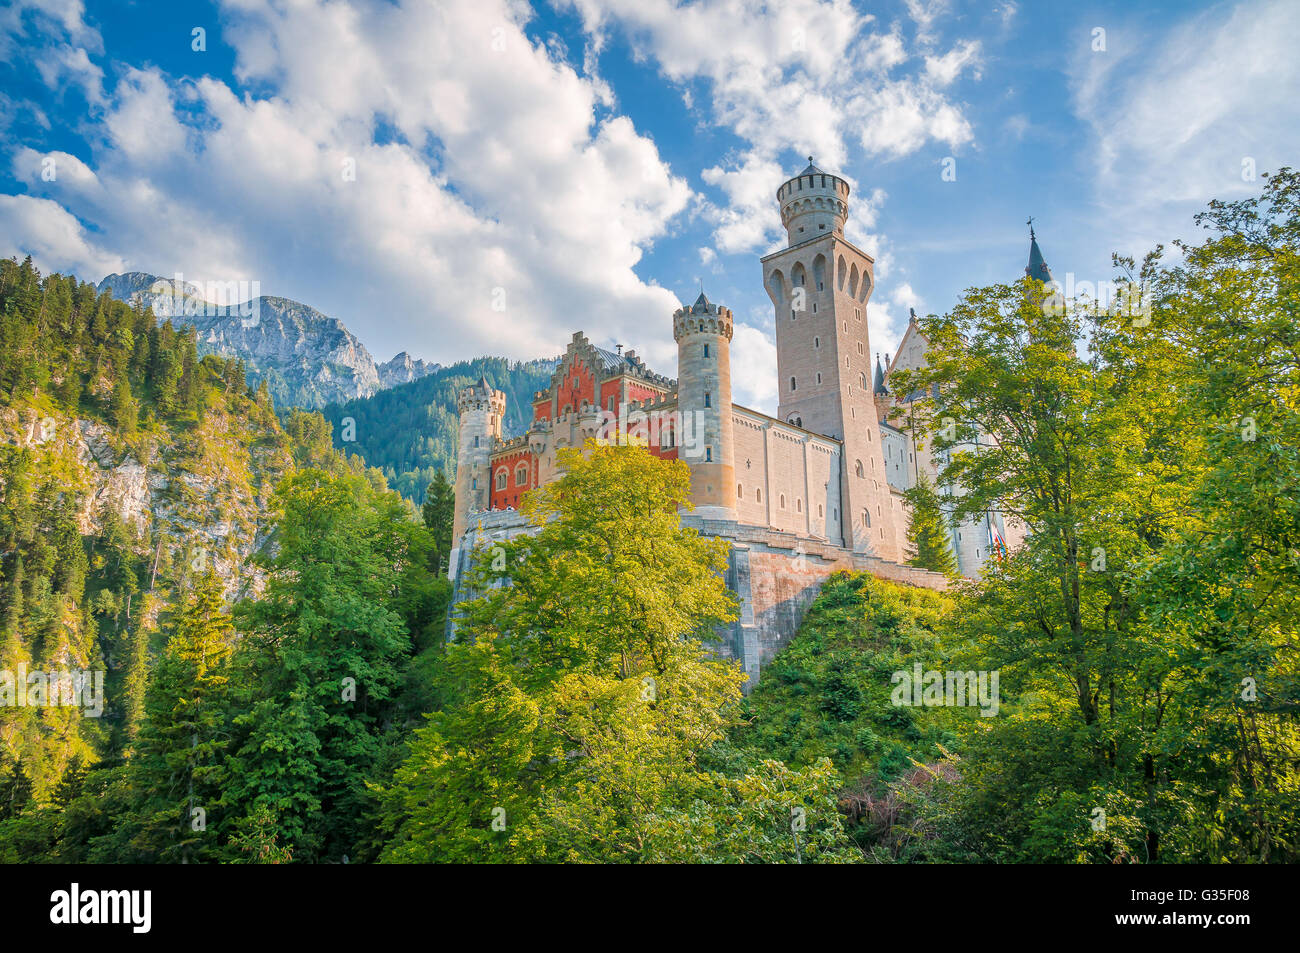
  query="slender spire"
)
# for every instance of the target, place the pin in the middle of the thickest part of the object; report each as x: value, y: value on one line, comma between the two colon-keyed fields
x: 1037, y: 267
x: 880, y: 387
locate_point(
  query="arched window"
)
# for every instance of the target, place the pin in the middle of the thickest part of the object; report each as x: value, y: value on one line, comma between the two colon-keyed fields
x: 758, y: 496
x: 740, y: 492
x: 521, y: 474
x: 857, y: 469
x: 866, y: 518
x: 798, y: 505
x: 862, y: 380
x: 501, y: 478
x: 792, y: 384
x: 782, y: 501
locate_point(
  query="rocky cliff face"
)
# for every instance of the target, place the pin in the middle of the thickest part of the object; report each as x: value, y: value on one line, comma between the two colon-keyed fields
x: 307, y: 358
x: 201, y: 497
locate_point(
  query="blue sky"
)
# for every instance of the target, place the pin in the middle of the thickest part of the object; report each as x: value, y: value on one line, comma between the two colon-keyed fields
x: 475, y: 177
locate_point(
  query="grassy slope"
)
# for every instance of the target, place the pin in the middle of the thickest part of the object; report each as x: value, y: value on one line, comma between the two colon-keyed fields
x: 828, y: 694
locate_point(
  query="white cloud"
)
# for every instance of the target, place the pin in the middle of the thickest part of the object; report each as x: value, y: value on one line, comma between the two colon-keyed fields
x: 803, y: 77
x: 753, y: 369
x: 942, y: 70
x: 59, y: 45
x: 495, y: 172
x: 53, y: 237
x: 1173, y: 120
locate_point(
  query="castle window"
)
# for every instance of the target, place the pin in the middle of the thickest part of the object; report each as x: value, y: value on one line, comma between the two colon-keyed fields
x: 476, y: 441
x: 740, y: 492
x: 819, y: 511
x: 792, y: 314
x: 814, y: 307
x: 817, y: 342
x: 782, y: 501
x: 521, y: 474
x: 706, y: 350
x: 819, y: 377
x: 473, y: 484
x: 708, y: 399
x: 866, y: 519
x: 708, y: 454
x: 793, y: 386
x: 501, y: 478
x: 857, y: 469
x: 758, y: 496
x: 862, y: 381
x: 798, y: 505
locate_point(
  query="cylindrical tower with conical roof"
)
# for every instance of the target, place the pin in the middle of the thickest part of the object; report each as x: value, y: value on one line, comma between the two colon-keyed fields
x: 703, y: 334
x: 481, y: 410
x: 813, y: 204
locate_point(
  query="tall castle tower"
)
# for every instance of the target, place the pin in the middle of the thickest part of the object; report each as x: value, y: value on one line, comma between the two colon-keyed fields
x: 819, y: 285
x: 703, y: 335
x: 481, y: 409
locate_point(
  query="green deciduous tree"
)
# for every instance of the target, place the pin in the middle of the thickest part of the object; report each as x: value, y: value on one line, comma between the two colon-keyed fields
x: 927, y: 530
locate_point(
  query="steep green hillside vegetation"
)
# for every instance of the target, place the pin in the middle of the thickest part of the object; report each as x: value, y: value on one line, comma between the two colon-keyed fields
x: 409, y: 431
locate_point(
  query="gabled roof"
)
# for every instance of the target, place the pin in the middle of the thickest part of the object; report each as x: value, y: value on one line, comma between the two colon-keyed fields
x: 610, y: 360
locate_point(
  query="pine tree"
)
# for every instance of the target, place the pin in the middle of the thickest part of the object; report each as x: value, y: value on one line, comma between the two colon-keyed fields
x: 927, y: 534
x: 178, y: 770
x: 439, y: 513
x: 123, y: 410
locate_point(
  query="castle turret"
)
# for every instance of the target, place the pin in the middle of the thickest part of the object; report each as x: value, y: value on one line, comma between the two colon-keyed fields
x: 813, y: 204
x: 820, y: 284
x: 703, y: 334
x: 481, y: 410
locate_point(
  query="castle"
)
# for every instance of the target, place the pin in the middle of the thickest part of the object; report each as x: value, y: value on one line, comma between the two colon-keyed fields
x: 815, y: 489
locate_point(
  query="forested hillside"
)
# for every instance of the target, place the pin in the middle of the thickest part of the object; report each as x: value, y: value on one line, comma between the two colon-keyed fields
x: 138, y: 503
x: 409, y: 431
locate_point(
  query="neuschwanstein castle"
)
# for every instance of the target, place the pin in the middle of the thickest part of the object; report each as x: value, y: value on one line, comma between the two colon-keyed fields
x: 816, y: 488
